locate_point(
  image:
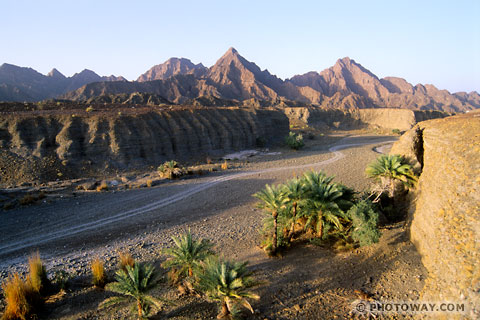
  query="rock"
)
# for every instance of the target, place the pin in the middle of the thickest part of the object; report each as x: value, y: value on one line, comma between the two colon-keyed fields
x: 444, y: 209
x: 89, y: 185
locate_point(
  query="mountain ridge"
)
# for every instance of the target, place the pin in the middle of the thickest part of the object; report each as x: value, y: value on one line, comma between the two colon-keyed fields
x: 347, y: 84
x: 27, y: 84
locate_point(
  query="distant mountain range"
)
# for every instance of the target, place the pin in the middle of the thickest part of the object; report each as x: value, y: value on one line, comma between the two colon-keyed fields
x: 26, y: 84
x: 345, y: 85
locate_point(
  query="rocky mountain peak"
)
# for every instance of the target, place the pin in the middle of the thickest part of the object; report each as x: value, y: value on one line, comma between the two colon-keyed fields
x: 54, y: 73
x: 169, y: 68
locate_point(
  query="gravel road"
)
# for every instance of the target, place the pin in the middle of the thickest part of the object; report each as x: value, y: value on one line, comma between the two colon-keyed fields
x: 69, y: 232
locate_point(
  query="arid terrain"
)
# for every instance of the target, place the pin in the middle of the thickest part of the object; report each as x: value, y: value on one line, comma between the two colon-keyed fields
x: 307, y: 283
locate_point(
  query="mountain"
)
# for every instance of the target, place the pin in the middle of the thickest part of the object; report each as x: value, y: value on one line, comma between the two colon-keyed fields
x: 172, y: 67
x: 350, y: 78
x: 26, y: 84
x: 345, y: 85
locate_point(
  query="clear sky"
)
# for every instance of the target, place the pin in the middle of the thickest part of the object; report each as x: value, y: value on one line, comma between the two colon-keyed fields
x: 435, y: 42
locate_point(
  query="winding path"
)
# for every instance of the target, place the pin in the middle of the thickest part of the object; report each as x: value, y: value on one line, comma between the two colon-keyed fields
x: 86, y: 221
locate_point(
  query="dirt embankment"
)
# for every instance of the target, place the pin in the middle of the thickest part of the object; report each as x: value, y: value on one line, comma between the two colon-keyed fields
x: 445, y: 211
x: 49, y: 145
x: 400, y: 119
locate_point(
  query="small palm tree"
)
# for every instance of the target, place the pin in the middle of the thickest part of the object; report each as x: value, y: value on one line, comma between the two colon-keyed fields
x: 184, y: 258
x: 134, y: 282
x: 295, y: 195
x: 323, y: 199
x: 389, y: 171
x: 273, y: 201
x: 228, y: 283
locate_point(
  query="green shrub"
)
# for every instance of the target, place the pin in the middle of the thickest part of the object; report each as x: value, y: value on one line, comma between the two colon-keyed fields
x: 60, y: 279
x: 294, y: 141
x: 171, y: 170
x: 364, y: 223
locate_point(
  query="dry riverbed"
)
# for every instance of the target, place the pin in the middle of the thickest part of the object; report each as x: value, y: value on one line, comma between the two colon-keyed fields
x: 309, y: 282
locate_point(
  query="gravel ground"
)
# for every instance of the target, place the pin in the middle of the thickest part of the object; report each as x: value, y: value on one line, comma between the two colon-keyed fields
x: 309, y: 281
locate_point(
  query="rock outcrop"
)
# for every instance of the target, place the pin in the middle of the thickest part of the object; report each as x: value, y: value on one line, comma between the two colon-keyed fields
x: 129, y: 139
x: 445, y: 209
x: 400, y: 119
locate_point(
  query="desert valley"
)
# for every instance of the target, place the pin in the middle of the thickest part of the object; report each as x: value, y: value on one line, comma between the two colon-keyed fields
x: 341, y: 189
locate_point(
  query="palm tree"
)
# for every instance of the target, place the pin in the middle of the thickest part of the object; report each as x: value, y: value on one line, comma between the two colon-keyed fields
x: 295, y: 195
x: 323, y: 201
x: 134, y: 282
x: 388, y: 171
x: 273, y: 201
x: 228, y: 283
x: 184, y: 258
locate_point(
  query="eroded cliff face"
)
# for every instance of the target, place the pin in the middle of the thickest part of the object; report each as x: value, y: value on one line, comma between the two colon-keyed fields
x: 400, y: 119
x: 98, y: 140
x: 445, y: 209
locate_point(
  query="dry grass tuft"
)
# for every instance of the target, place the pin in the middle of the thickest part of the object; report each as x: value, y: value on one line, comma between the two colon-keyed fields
x: 15, y: 292
x: 37, y: 275
x: 225, y: 165
x: 125, y: 259
x: 98, y: 273
x: 103, y: 186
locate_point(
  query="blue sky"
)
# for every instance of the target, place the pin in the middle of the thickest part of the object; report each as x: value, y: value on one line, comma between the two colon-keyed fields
x: 435, y: 42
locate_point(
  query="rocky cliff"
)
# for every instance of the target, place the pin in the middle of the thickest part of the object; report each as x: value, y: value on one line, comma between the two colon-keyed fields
x: 386, y: 118
x: 126, y: 139
x: 445, y: 209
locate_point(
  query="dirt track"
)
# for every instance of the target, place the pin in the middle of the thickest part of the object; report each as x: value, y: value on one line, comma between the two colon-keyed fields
x: 309, y: 282
x: 74, y: 225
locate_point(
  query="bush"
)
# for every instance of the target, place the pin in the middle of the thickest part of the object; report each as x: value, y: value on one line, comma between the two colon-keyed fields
x: 60, y: 279
x: 98, y: 273
x: 171, y: 170
x: 364, y: 223
x: 294, y: 141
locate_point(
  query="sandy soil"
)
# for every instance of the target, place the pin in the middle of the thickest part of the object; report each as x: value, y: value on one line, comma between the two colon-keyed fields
x: 309, y: 282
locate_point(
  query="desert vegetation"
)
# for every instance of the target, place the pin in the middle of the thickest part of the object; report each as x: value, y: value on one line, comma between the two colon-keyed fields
x: 311, y: 208
x: 315, y: 207
x: 294, y: 140
x: 134, y: 283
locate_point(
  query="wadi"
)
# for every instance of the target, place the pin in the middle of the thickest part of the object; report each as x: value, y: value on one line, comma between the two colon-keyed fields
x: 226, y: 192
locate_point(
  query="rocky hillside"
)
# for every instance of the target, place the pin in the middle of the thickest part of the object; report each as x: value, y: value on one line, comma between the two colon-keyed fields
x: 385, y: 118
x: 43, y: 144
x: 345, y: 85
x: 26, y: 84
x: 445, y: 210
